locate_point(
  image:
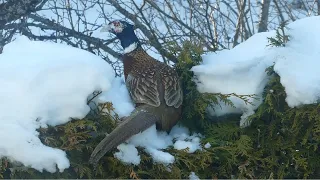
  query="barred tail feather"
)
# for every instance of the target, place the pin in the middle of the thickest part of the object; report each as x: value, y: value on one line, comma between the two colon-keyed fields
x: 138, y: 121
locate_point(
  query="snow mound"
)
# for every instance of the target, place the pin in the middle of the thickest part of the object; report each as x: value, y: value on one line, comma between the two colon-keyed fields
x: 44, y: 83
x: 119, y: 96
x: 241, y: 70
x: 154, y: 142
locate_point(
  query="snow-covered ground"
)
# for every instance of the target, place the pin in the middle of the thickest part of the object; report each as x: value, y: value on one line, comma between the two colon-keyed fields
x: 241, y: 70
x: 45, y: 83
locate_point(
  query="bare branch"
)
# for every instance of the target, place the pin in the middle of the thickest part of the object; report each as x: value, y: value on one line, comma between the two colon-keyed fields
x: 318, y: 6
x: 95, y: 41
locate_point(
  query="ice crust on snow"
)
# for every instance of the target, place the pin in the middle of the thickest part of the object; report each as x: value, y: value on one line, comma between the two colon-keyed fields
x: 44, y: 83
x: 241, y: 70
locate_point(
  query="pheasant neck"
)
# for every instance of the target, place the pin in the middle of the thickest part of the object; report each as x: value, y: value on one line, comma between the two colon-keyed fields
x: 129, y: 42
x: 131, y: 47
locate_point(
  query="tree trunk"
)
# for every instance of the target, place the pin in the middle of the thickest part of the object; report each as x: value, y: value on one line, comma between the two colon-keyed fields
x: 12, y: 10
x: 318, y: 4
x: 263, y: 23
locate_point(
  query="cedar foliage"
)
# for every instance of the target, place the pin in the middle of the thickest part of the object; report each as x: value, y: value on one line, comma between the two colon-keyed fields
x: 281, y: 142
x: 281, y: 38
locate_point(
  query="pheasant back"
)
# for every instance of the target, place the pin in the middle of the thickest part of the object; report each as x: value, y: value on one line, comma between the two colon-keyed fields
x: 150, y: 81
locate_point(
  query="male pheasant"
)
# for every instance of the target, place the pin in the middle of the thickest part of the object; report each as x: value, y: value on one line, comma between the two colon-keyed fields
x: 153, y: 86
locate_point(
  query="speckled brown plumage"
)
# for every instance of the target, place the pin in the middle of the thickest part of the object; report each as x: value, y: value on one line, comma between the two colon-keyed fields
x: 142, y: 73
x: 154, y: 87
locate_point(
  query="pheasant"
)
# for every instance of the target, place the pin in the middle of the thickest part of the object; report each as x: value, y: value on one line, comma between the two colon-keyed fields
x: 153, y: 86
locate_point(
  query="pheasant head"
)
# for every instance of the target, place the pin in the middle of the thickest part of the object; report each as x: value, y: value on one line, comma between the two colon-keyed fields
x: 125, y: 33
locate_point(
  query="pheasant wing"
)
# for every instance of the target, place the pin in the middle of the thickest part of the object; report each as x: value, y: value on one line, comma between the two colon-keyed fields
x: 172, y: 88
x: 143, y: 88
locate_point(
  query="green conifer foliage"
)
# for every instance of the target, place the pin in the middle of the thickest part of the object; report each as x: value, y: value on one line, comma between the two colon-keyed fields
x: 281, y: 142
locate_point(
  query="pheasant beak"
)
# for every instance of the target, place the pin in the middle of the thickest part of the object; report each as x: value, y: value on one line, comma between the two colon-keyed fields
x: 106, y: 28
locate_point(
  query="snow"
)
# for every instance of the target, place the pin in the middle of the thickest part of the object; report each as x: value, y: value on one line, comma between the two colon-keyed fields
x: 241, y: 70
x: 154, y: 142
x: 159, y: 156
x: 191, y: 142
x: 193, y: 176
x: 207, y: 145
x: 44, y: 83
x: 119, y: 96
x: 128, y: 153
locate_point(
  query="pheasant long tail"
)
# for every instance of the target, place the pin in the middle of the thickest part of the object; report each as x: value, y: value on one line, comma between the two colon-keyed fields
x: 138, y: 121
